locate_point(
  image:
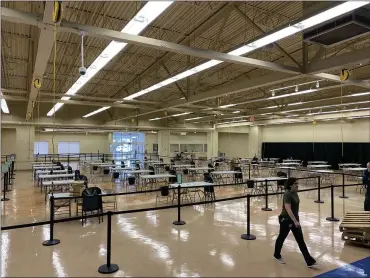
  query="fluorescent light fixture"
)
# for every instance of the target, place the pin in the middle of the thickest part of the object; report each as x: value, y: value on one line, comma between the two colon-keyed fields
x: 196, y: 118
x: 236, y: 112
x: 155, y: 119
x: 327, y: 106
x: 266, y: 40
x: 360, y: 94
x: 96, y: 111
x: 180, y: 114
x: 135, y: 26
x: 226, y: 105
x: 4, y: 105
x: 295, y: 103
x: 264, y: 114
x: 339, y: 111
x: 294, y: 94
x: 270, y: 107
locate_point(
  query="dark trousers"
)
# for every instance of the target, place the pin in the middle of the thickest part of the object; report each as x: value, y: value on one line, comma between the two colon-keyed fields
x: 285, y: 227
x: 367, y: 203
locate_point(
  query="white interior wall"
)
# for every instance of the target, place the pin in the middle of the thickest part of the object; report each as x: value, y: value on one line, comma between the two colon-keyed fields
x: 8, y: 138
x: 190, y: 138
x: 233, y: 144
x: 355, y: 131
x: 89, y: 143
x: 150, y: 139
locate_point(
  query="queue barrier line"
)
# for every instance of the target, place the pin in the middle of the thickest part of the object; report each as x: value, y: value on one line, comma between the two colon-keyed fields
x: 109, y: 268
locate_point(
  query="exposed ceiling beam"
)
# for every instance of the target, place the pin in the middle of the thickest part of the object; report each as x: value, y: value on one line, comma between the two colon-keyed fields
x: 44, y: 49
x: 94, y: 31
x: 255, y: 26
x: 341, y: 61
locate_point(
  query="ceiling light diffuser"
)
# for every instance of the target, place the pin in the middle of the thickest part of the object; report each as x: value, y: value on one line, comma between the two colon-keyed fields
x: 4, y: 105
x: 96, y: 111
x: 148, y: 13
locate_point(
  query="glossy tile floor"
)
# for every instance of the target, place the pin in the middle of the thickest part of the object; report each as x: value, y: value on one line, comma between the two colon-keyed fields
x: 147, y: 244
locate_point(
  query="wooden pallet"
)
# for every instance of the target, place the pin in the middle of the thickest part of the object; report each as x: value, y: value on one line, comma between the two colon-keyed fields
x: 356, y: 227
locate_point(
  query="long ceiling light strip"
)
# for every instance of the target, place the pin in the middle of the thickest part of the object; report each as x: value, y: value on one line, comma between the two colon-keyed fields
x: 266, y: 40
x: 169, y: 116
x: 340, y: 111
x: 4, y: 105
x: 135, y: 26
x: 96, y: 111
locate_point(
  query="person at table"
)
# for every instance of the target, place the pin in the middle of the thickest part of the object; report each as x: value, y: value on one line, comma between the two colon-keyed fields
x: 289, y: 221
x: 366, y: 182
x: 254, y: 161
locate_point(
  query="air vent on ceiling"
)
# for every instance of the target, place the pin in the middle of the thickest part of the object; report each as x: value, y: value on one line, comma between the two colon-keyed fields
x: 341, y: 29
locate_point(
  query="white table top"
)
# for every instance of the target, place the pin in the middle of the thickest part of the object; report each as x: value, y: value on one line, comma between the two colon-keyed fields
x: 160, y: 163
x: 317, y: 162
x: 199, y: 169
x: 325, y: 171
x: 191, y: 184
x: 289, y: 163
x: 60, y: 195
x: 56, y: 176
x: 182, y: 166
x: 224, y: 172
x: 286, y: 167
x: 291, y: 160
x: 319, y: 166
x: 269, y: 179
x: 46, y: 167
x: 355, y: 169
x: 137, y: 171
x: 121, y: 168
x: 59, y: 182
x: 157, y: 176
x: 54, y: 172
x: 41, y: 162
x: 349, y: 164
x: 102, y: 164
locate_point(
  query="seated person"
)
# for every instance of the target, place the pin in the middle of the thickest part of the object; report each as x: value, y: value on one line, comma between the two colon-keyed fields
x: 366, y: 182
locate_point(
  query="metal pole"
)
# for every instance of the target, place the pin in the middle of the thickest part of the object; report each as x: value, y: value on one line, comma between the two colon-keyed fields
x: 318, y: 191
x: 5, y: 188
x: 248, y: 235
x: 343, y: 193
x: 108, y: 267
x: 179, y: 221
x: 249, y: 171
x: 332, y: 218
x: 266, y: 208
x: 51, y: 240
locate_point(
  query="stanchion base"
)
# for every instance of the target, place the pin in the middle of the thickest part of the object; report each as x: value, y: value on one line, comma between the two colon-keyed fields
x: 319, y: 202
x: 343, y: 197
x: 105, y: 269
x: 5, y: 199
x: 51, y: 242
x: 178, y: 222
x: 332, y: 219
x: 266, y: 209
x: 248, y: 237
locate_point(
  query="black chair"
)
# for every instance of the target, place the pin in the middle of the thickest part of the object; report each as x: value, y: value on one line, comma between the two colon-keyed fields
x: 122, y: 164
x: 207, y: 178
x: 151, y: 169
x: 106, y: 171
x: 238, y: 177
x: 131, y: 180
x: 209, y: 193
x: 167, y: 168
x: 185, y: 171
x: 192, y: 163
x: 164, y: 194
x: 252, y: 186
x: 69, y: 169
x: 115, y: 175
x: 172, y: 179
x: 84, y: 178
x: 77, y: 174
x: 161, y: 160
x: 281, y: 183
x: 113, y: 162
x: 137, y: 166
x: 91, y: 202
x: 95, y: 168
x: 62, y: 167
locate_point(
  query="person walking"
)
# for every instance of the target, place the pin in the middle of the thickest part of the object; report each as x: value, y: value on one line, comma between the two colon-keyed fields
x: 289, y: 221
x: 366, y: 183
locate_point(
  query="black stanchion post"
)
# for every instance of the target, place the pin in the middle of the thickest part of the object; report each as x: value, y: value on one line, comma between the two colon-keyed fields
x: 12, y: 170
x: 249, y: 171
x: 51, y: 241
x: 319, y: 191
x: 9, y: 178
x: 332, y: 218
x: 266, y: 208
x: 108, y: 267
x: 68, y: 159
x: 5, y: 188
x: 178, y: 221
x: 248, y: 235
x: 343, y: 193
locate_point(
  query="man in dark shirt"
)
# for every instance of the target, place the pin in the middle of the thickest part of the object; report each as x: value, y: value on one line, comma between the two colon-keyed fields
x: 366, y: 182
